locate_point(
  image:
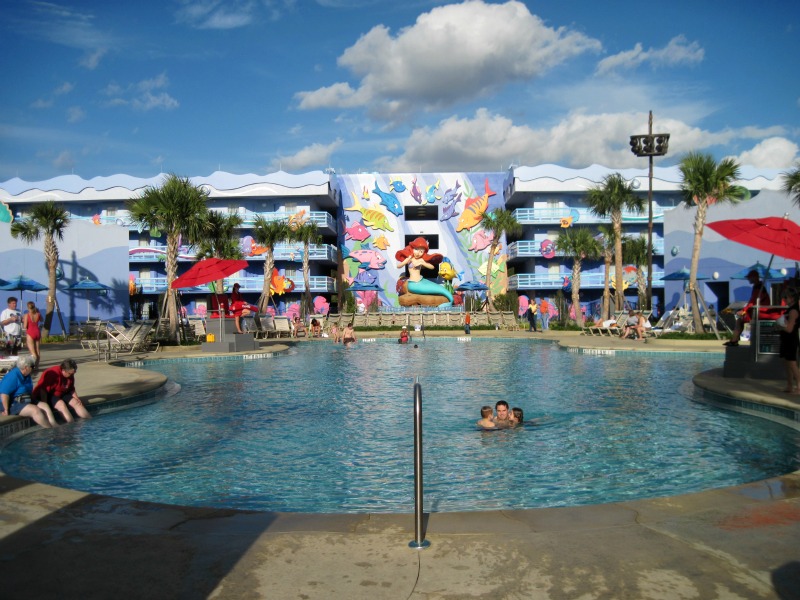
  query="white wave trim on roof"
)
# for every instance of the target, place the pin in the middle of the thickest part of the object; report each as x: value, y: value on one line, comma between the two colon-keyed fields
x: 74, y: 187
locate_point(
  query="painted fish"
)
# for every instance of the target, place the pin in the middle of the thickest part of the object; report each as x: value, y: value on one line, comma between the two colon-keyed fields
x: 372, y: 217
x: 496, y: 267
x: 474, y: 209
x: 566, y: 222
x: 369, y: 259
x: 321, y: 305
x: 447, y: 271
x: 415, y: 193
x: 356, y: 232
x: 547, y: 249
x: 481, y: 240
x: 382, y: 243
x: 365, y: 277
x: 430, y: 193
x: 450, y: 194
x: 298, y: 219
x: 389, y: 200
x: 395, y: 185
x: 449, y: 210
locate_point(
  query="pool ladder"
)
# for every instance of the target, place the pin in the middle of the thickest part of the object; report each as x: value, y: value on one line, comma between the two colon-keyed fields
x: 419, y: 542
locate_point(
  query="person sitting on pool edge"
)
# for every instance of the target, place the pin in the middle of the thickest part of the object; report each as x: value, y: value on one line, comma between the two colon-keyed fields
x: 56, y: 387
x: 403, y: 335
x: 486, y: 418
x: 15, y: 389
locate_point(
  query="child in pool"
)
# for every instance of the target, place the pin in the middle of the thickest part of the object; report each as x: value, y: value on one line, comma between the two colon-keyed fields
x: 486, y: 418
x: 516, y: 416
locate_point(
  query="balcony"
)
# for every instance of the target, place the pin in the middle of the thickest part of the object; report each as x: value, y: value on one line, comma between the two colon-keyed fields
x: 549, y: 281
x: 552, y: 216
x: 318, y: 283
x: 287, y: 252
x: 533, y: 248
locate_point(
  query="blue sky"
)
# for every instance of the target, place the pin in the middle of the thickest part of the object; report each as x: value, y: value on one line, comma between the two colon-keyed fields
x: 253, y: 86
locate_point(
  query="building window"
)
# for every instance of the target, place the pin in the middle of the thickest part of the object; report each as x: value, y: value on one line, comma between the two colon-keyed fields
x: 422, y: 212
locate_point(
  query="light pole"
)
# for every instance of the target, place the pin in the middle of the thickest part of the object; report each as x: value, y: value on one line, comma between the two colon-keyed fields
x: 650, y: 145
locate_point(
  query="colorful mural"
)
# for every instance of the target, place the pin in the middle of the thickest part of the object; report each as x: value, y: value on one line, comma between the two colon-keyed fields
x: 379, y: 218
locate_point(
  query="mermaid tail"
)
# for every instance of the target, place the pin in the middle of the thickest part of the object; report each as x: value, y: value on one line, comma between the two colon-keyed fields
x: 426, y: 287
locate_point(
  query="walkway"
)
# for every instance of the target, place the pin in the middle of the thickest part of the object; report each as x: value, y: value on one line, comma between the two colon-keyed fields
x: 734, y: 543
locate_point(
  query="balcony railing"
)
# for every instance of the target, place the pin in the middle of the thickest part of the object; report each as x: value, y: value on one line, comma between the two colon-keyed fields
x: 533, y: 248
x: 528, y: 281
x: 317, y: 283
x: 546, y: 216
x: 122, y: 218
x: 290, y: 252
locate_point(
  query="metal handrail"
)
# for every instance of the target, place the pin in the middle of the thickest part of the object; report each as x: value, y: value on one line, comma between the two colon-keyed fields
x: 419, y: 542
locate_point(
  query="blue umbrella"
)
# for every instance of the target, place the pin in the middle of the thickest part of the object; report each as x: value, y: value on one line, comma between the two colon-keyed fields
x: 682, y: 275
x: 21, y: 283
x: 472, y: 286
x: 762, y: 271
x: 364, y: 287
x: 88, y: 285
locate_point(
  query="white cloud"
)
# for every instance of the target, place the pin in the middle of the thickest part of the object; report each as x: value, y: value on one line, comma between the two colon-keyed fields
x: 42, y: 103
x: 451, y: 54
x: 315, y: 155
x: 64, y: 88
x: 64, y: 161
x: 490, y: 141
x: 771, y: 153
x: 679, y: 51
x: 92, y: 59
x: 229, y: 14
x: 140, y: 95
x: 75, y: 114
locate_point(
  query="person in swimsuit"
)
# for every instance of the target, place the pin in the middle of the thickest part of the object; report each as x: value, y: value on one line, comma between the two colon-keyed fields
x: 348, y: 335
x: 790, y: 341
x: 30, y: 324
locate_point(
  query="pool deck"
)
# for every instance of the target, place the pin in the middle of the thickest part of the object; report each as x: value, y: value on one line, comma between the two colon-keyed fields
x: 733, y: 543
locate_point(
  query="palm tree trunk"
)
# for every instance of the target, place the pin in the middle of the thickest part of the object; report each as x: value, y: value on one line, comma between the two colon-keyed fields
x: 699, y: 223
x: 489, y: 299
x: 51, y: 257
x: 266, y: 291
x: 576, y: 292
x: 607, y: 286
x: 619, y: 293
x: 641, y: 284
x: 172, y: 270
x: 306, y: 281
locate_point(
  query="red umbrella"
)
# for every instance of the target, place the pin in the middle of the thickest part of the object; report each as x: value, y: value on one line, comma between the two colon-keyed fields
x: 209, y: 269
x: 776, y: 235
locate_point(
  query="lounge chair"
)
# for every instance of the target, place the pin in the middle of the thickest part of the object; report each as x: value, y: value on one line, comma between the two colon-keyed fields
x: 283, y: 327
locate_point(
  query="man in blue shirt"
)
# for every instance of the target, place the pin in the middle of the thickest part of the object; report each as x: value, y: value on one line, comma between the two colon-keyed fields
x: 15, y: 389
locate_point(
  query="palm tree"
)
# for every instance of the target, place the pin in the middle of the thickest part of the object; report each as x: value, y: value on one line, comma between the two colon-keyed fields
x: 634, y: 252
x: 269, y: 234
x: 791, y: 184
x: 579, y: 244
x: 307, y: 233
x: 178, y: 209
x: 608, y: 200
x: 46, y: 220
x: 499, y: 222
x: 705, y: 183
x: 219, y: 240
x: 608, y: 244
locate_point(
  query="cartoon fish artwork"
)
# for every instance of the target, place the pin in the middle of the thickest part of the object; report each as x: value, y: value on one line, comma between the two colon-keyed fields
x: 381, y: 243
x: 566, y: 222
x: 356, y: 232
x: 96, y: 219
x: 321, y: 305
x: 481, y: 240
x: 389, y: 200
x: 474, y: 209
x: 447, y: 271
x: 415, y: 193
x: 449, y: 211
x: 298, y: 219
x: 450, y: 193
x: 430, y: 193
x: 547, y: 249
x: 496, y: 267
x: 372, y: 217
x: 369, y: 259
x: 364, y: 277
x: 395, y: 185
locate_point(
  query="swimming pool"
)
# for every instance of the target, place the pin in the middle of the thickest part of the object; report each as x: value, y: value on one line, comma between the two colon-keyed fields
x: 330, y: 429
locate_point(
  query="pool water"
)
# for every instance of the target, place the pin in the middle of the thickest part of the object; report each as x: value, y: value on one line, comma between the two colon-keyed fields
x: 330, y: 429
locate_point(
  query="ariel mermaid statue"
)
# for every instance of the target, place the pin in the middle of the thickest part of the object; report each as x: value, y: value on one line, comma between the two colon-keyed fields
x: 415, y: 257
